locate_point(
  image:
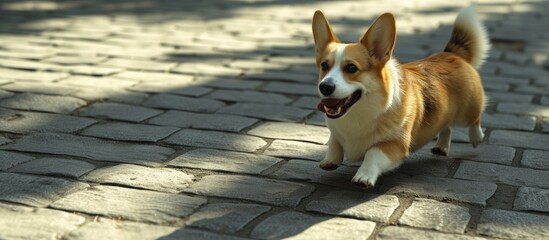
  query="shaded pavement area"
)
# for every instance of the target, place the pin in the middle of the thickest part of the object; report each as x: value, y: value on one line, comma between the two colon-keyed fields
x: 197, y: 120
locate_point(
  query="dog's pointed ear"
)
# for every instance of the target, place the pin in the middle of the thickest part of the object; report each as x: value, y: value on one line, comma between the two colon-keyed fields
x: 380, y: 38
x: 322, y: 32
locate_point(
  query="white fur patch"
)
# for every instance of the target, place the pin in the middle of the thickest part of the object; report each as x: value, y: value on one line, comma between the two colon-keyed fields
x: 394, y: 91
x: 375, y: 163
x: 467, y: 19
x: 343, y: 88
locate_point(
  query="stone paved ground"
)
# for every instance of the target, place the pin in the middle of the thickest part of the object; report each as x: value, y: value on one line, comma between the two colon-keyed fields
x: 196, y: 120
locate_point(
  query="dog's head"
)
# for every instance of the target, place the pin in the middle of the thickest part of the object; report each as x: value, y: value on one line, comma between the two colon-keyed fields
x: 357, y: 73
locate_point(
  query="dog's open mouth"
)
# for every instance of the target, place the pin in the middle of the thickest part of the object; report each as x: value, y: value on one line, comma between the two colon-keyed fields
x: 337, y: 107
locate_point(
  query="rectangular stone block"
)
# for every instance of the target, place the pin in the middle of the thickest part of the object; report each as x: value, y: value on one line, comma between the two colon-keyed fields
x: 359, y: 205
x: 10, y: 159
x: 217, y: 160
x: 267, y: 111
x: 276, y: 192
x: 532, y: 199
x: 292, y: 131
x: 513, y: 225
x: 131, y: 204
x: 440, y: 188
x: 520, y: 139
x: 506, y: 121
x: 173, y: 102
x: 218, y: 140
x: 129, y: 132
x: 221, y: 122
x: 55, y: 166
x: 28, y: 122
x: 226, y: 217
x: 92, y: 148
x: 119, y: 111
x: 18, y: 222
x: 34, y: 190
x: 295, y: 225
x: 404, y: 233
x: 295, y: 149
x: 46, y: 103
x: 105, y: 228
x: 291, y: 88
x: 503, y: 174
x: 535, y: 159
x: 524, y: 109
x: 439, y: 216
x: 310, y: 171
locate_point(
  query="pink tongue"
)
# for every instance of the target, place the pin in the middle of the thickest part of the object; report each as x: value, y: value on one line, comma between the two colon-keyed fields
x: 328, y: 102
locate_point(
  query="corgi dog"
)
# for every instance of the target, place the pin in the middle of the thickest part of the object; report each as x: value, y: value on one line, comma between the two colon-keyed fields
x: 378, y: 111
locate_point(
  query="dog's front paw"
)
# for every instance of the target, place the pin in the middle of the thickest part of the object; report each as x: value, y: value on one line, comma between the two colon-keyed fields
x: 365, y: 179
x: 326, y: 164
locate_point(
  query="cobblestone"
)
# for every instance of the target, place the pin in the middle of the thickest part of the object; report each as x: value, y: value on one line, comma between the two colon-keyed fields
x: 168, y: 101
x: 212, y: 159
x: 402, y: 233
x: 513, y: 225
x: 131, y: 204
x: 119, y: 111
x: 10, y: 159
x: 532, y: 199
x: 219, y: 140
x: 249, y: 96
x: 50, y: 224
x: 159, y: 179
x: 267, y: 111
x: 276, y: 192
x: 28, y: 122
x: 359, y: 205
x: 294, y: 149
x: 292, y: 131
x: 520, y: 139
x: 112, y: 229
x: 296, y: 225
x: 226, y: 217
x: 55, y: 166
x: 45, y: 103
x: 35, y: 190
x: 503, y: 174
x: 221, y: 122
x: 536, y: 159
x: 129, y: 132
x: 431, y: 214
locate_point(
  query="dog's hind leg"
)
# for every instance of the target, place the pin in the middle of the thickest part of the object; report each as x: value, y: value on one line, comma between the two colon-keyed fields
x: 442, y: 146
x: 475, y: 134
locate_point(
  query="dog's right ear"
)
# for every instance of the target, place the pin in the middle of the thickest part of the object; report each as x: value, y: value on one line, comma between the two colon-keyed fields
x: 322, y: 32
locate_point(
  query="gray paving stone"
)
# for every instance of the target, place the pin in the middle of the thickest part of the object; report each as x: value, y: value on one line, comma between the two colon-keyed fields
x: 483, y: 153
x: 42, y: 88
x: 97, y: 82
x: 317, y: 118
x: 373, y: 207
x: 532, y: 199
x: 217, y: 160
x: 31, y: 75
x: 33, y: 190
x: 294, y: 225
x: 134, y: 64
x: 291, y: 88
x: 307, y: 102
x: 16, y: 222
x: 439, y: 188
x: 497, y: 97
x: 170, y: 87
x: 5, y: 94
x: 281, y: 76
x: 294, y: 149
x: 423, y: 162
x: 229, y: 83
x: 276, y: 192
x: 249, y: 96
x: 119, y: 111
x: 111, y: 94
x: 158, y: 179
x: 91, y: 148
x: 503, y: 174
x: 92, y: 70
x: 105, y: 228
x: 28, y: 122
x: 226, y: 217
x: 520, y: 139
x: 206, y: 69
x: 4, y: 140
x: 129, y: 132
x: 505, y: 121
x: 439, y: 216
x: 131, y: 204
x: 193, y: 234
x: 218, y: 140
x: 403, y: 233
x: 55, y: 166
x: 25, y: 55
x: 292, y: 131
x: 221, y: 122
x: 75, y: 60
x: 525, y: 109
x: 267, y: 111
x: 173, y: 102
x: 155, y: 77
x: 535, y: 159
x: 513, y: 225
x: 10, y: 159
x: 37, y: 102
x: 310, y: 171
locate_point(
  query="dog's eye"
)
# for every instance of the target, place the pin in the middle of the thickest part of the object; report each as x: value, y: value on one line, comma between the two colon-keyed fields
x: 351, y: 68
x: 324, y: 66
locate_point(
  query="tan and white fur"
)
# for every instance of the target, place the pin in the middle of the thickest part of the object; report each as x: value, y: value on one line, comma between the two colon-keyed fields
x: 400, y: 107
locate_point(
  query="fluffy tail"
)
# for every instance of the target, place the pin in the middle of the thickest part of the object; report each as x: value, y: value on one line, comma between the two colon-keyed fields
x: 469, y: 39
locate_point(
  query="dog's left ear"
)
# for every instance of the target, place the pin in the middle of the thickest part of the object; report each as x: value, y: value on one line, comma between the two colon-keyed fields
x: 380, y: 38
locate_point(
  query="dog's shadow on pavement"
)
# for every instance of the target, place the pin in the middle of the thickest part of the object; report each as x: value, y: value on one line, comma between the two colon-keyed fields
x: 227, y: 69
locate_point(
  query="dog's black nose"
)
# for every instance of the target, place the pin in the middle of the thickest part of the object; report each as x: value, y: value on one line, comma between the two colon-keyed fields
x: 327, y: 87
